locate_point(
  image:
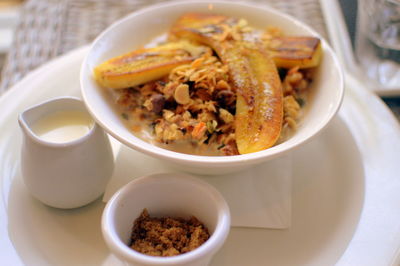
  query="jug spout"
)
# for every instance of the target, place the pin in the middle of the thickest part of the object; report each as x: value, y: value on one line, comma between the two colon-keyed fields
x: 39, y: 120
x: 23, y: 125
x: 27, y: 118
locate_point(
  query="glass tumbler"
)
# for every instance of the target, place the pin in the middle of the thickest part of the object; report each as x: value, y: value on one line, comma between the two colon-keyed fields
x: 377, y: 44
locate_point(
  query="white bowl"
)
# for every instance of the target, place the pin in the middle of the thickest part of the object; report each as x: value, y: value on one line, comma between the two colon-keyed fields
x: 175, y: 195
x: 140, y: 27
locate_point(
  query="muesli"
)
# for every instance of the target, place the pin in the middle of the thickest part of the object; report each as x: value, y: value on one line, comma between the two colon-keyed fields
x: 216, y: 87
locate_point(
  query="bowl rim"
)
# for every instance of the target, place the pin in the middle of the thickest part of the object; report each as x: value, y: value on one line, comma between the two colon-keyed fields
x: 201, y: 160
x: 208, y: 248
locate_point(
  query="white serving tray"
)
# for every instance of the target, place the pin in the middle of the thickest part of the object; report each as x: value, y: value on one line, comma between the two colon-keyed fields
x: 345, y: 191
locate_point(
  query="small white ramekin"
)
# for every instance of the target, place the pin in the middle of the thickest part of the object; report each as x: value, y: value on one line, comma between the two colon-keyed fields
x: 171, y: 194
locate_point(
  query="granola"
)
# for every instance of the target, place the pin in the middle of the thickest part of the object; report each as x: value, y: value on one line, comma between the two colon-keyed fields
x: 219, y: 73
x: 203, y: 115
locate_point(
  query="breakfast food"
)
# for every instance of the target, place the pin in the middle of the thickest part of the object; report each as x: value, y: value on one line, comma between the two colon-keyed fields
x: 216, y: 87
x: 143, y: 65
x: 167, y: 236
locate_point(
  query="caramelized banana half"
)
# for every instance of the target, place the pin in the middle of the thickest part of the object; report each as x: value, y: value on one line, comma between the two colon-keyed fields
x: 259, y: 103
x: 207, y: 29
x: 200, y: 20
x: 213, y: 30
x: 253, y: 74
x: 146, y: 64
x: 288, y: 52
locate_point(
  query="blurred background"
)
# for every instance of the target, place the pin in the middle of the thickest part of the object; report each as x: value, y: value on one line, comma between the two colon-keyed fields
x: 9, y: 11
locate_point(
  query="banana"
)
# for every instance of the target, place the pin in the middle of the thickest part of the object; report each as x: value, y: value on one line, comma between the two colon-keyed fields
x: 259, y: 103
x: 253, y: 74
x: 286, y: 51
x: 146, y: 64
x: 292, y: 51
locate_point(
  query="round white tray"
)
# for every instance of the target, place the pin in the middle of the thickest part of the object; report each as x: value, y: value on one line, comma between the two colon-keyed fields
x: 345, y: 191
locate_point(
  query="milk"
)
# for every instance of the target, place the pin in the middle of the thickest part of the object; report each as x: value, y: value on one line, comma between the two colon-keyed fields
x: 63, y: 126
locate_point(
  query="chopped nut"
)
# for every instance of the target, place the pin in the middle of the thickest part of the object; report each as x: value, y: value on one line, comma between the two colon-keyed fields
x: 205, y: 116
x: 181, y: 94
x: 186, y: 115
x: 230, y: 148
x: 172, y: 133
x: 303, y: 85
x: 290, y: 101
x: 211, y: 126
x: 225, y: 115
x: 222, y: 84
x: 148, y: 104
x: 295, y: 77
x: 168, y: 115
x: 291, y: 122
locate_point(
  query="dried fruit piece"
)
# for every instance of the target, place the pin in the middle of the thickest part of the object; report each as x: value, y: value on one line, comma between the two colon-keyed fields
x: 146, y: 64
x: 225, y: 115
x: 199, y: 130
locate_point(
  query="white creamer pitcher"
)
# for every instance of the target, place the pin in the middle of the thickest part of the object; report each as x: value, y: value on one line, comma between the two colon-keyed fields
x: 66, y: 173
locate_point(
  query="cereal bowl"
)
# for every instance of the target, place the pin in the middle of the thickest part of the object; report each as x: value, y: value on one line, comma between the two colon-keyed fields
x: 166, y: 195
x: 140, y: 28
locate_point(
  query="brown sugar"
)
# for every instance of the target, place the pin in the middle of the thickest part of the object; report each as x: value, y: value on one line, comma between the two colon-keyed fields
x: 167, y: 236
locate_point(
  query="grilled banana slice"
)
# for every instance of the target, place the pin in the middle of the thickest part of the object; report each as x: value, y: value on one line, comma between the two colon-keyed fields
x: 253, y: 74
x: 286, y: 51
x: 202, y: 28
x: 146, y: 64
x: 259, y: 103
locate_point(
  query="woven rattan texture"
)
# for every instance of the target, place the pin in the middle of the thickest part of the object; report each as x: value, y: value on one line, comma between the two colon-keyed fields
x: 49, y: 28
